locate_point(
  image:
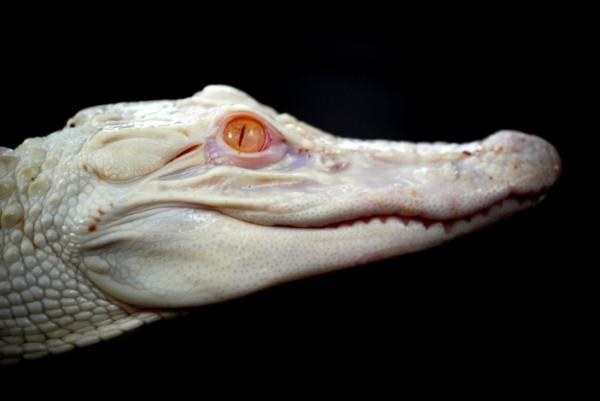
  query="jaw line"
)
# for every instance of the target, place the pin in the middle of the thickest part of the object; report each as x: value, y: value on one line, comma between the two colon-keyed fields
x: 512, y: 201
x: 487, y: 214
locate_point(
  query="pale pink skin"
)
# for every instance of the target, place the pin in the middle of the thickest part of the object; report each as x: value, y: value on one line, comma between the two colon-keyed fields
x: 167, y: 215
x: 302, y: 205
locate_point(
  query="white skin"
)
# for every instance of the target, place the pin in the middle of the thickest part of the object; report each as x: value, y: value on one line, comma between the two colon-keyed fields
x: 137, y: 209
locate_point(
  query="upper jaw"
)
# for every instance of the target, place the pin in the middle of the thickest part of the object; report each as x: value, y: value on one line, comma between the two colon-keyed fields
x: 352, y: 180
x: 435, y: 183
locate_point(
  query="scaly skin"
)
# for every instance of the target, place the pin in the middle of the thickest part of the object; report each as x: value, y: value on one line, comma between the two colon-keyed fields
x: 137, y: 209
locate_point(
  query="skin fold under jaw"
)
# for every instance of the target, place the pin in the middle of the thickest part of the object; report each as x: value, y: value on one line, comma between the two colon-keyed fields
x: 137, y: 209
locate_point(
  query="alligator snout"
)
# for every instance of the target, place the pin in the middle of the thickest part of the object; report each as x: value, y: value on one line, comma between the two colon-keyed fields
x: 531, y: 163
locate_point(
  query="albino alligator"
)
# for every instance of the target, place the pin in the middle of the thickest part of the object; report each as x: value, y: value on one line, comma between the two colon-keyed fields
x: 137, y: 210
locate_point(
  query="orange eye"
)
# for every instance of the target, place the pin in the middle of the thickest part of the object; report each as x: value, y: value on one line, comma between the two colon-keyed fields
x: 245, y: 135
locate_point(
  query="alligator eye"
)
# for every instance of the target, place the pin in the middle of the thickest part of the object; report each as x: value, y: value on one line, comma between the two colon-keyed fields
x: 246, y: 135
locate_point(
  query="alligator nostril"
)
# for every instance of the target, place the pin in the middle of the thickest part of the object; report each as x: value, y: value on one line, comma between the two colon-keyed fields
x: 509, y: 141
x: 539, y: 159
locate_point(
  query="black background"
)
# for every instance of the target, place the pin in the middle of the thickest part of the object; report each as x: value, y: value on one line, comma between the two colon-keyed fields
x: 499, y: 307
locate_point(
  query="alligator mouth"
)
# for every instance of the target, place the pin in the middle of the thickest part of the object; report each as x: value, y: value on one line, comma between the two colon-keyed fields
x: 513, y: 202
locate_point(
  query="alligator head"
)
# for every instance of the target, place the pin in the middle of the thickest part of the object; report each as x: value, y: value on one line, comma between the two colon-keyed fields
x: 139, y: 208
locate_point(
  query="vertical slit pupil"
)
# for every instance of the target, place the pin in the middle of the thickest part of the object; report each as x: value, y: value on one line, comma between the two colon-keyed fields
x: 245, y: 135
x: 242, y: 136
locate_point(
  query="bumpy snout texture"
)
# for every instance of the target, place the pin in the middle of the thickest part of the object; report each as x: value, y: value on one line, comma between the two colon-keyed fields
x: 441, y: 182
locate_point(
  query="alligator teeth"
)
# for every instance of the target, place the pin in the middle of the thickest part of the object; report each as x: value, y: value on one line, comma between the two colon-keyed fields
x: 506, y: 206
